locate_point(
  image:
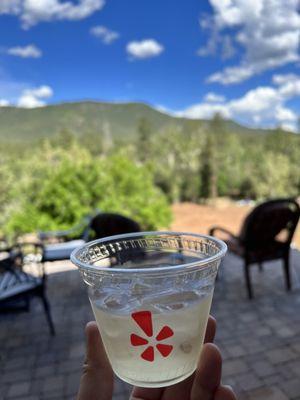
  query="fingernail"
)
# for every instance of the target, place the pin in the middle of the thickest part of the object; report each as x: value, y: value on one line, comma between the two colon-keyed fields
x: 229, y: 387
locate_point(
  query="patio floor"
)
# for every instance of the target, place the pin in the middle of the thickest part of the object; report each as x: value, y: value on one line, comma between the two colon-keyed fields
x: 259, y: 339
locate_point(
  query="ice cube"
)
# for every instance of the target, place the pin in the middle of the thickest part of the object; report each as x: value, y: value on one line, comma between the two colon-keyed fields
x: 140, y: 289
x: 172, y: 301
x: 116, y: 301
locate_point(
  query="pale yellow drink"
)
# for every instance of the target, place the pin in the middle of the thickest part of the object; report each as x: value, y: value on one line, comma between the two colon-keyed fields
x: 151, y: 294
x: 181, y: 317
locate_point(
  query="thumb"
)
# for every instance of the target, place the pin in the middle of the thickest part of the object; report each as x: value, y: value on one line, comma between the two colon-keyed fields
x: 97, y: 378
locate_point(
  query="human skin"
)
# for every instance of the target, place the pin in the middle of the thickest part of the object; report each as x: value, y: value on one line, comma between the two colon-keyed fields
x: 97, y: 379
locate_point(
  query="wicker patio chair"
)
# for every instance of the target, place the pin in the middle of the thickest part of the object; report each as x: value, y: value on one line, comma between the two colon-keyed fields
x: 266, y: 235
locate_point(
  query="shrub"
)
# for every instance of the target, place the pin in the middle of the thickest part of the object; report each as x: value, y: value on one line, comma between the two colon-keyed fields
x: 63, y: 189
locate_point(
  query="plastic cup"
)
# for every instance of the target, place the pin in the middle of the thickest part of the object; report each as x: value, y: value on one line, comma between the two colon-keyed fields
x: 151, y: 294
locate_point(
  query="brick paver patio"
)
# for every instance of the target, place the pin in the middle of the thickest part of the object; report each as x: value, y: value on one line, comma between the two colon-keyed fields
x: 259, y: 339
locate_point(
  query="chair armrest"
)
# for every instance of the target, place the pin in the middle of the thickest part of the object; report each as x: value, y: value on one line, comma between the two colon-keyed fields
x: 44, y: 236
x: 220, y: 229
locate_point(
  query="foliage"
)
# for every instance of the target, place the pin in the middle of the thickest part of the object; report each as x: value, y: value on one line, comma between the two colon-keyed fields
x: 54, y: 183
x: 65, y: 185
x: 208, y: 171
x: 174, y: 155
x: 143, y: 139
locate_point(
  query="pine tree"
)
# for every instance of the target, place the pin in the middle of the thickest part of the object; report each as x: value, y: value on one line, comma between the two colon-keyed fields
x: 143, y: 139
x: 208, y: 171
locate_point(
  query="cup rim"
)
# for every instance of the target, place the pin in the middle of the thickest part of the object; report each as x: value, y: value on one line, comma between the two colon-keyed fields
x: 172, y: 268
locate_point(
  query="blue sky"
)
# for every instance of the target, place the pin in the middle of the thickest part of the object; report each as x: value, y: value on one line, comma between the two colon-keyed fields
x: 190, y: 58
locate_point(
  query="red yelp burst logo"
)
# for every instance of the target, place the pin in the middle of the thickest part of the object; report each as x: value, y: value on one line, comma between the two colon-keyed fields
x: 144, y: 321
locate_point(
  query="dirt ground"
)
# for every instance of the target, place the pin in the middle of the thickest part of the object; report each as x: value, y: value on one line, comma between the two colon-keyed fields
x: 197, y: 218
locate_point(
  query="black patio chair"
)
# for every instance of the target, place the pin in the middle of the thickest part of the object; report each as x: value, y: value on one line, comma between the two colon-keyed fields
x: 18, y: 287
x: 110, y: 224
x: 266, y: 235
x: 101, y: 225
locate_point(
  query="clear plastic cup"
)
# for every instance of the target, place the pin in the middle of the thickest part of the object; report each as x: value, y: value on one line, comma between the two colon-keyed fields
x: 151, y: 294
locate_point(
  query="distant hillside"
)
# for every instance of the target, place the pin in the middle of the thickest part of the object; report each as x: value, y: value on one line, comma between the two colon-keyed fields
x: 120, y: 120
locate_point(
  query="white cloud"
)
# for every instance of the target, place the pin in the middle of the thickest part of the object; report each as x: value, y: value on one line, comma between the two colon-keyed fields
x: 217, y: 43
x: 289, y: 127
x: 256, y: 101
x: 290, y: 89
x: 231, y: 75
x: 10, y: 6
x: 228, y: 49
x: 30, y: 51
x: 205, y: 111
x: 234, y: 12
x: 106, y: 35
x: 262, y: 106
x: 31, y: 12
x: 268, y: 30
x: 212, y: 97
x: 32, y: 98
x: 4, y: 103
x: 165, y: 110
x: 285, y: 114
x: 211, y: 46
x: 22, y: 94
x: 279, y: 79
x: 144, y: 49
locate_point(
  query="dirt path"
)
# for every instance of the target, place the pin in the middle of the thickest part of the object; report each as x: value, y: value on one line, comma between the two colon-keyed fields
x: 199, y: 218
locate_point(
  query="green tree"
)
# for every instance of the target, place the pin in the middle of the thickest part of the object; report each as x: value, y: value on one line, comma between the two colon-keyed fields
x: 208, y: 171
x: 93, y: 142
x: 175, y: 154
x: 64, y: 139
x: 108, y: 140
x: 143, y: 139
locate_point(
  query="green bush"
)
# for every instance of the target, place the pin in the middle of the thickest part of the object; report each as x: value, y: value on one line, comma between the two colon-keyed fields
x: 63, y: 189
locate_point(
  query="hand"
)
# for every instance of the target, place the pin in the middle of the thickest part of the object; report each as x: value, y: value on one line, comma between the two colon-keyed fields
x: 205, y: 384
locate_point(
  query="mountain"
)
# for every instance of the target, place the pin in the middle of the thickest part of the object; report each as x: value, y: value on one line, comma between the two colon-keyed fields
x: 117, y: 119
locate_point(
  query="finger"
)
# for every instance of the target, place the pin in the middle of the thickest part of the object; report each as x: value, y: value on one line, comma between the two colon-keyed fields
x: 181, y: 390
x: 97, y: 379
x: 210, y: 330
x: 208, y: 374
x: 225, y: 393
x: 139, y: 393
x: 95, y: 353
